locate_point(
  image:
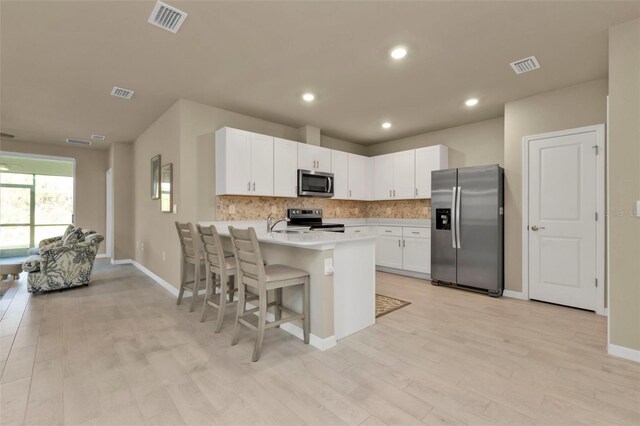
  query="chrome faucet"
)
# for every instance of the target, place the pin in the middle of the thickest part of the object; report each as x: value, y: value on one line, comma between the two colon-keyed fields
x: 271, y: 224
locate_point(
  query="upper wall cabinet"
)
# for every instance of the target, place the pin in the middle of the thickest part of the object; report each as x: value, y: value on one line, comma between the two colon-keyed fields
x: 359, y: 179
x: 285, y: 168
x: 341, y: 172
x: 395, y: 176
x: 429, y: 159
x: 244, y: 163
x: 312, y: 157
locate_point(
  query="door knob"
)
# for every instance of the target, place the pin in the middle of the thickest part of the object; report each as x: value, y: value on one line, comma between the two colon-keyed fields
x: 536, y: 227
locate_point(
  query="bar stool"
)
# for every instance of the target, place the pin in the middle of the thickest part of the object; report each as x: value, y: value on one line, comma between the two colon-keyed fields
x: 190, y: 256
x: 253, y: 274
x: 220, y: 267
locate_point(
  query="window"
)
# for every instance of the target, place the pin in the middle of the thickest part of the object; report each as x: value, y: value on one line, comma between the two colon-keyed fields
x: 36, y: 201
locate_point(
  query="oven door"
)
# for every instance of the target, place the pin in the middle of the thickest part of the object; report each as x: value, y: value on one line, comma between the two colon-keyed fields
x: 315, y: 184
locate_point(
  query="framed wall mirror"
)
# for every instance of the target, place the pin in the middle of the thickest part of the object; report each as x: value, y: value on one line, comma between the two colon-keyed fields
x: 155, y: 177
x: 166, y: 188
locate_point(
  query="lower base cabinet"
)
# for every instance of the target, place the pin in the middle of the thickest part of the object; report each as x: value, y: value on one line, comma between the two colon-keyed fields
x: 396, y: 250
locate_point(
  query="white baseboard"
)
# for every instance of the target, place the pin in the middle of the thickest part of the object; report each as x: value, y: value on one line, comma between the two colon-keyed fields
x: 102, y: 255
x: 167, y: 286
x: 121, y: 261
x: 622, y: 352
x: 291, y: 328
x: 514, y: 294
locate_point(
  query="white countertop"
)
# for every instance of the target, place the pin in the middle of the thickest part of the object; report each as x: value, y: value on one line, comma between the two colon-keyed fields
x: 415, y: 223
x: 310, y: 240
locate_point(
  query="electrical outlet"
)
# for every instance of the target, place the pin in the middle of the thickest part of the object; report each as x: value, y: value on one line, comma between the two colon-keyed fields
x: 274, y: 210
x: 164, y: 256
x: 328, y: 266
x: 137, y: 245
x: 232, y: 209
x: 142, y: 246
x: 175, y: 209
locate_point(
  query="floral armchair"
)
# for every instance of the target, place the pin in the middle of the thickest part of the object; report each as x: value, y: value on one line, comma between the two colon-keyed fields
x: 63, y: 265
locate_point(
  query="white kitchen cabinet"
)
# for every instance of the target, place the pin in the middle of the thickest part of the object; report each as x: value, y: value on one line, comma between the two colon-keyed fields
x: 355, y: 230
x: 358, y: 178
x: 383, y: 177
x: 244, y: 163
x: 404, y: 175
x: 312, y: 157
x: 389, y: 251
x: 429, y: 159
x: 285, y: 168
x: 416, y: 254
x: 340, y: 170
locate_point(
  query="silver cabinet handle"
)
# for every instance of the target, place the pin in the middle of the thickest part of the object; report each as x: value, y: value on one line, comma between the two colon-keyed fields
x: 458, y: 217
x: 414, y: 232
x: 404, y: 243
x: 536, y: 227
x: 390, y: 193
x: 254, y: 186
x: 356, y: 231
x: 453, y: 217
x: 398, y: 243
x: 386, y: 230
x: 416, y: 192
x: 349, y: 193
x: 249, y: 186
x: 318, y: 163
x: 394, y: 192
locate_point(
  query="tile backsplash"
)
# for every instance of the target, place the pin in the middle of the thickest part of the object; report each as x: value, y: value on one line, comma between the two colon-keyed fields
x: 236, y: 207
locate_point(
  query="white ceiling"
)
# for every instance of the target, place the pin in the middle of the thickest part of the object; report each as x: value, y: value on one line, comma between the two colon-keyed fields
x: 59, y: 61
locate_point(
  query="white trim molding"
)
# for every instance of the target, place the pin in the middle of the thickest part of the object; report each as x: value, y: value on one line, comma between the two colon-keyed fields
x: 514, y: 294
x: 103, y: 256
x: 623, y: 352
x: 167, y: 286
x: 121, y: 261
x: 599, y: 129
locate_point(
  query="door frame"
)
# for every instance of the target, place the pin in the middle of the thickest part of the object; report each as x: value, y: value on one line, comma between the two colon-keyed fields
x: 599, y: 129
x: 109, y: 249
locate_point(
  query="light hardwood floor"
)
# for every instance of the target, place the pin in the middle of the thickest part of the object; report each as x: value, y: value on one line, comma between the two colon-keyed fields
x: 120, y: 352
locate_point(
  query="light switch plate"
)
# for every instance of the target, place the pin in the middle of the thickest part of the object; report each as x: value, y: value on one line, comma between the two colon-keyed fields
x: 328, y: 266
x: 638, y: 208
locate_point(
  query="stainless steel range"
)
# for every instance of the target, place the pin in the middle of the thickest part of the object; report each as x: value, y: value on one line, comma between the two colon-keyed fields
x: 312, y: 218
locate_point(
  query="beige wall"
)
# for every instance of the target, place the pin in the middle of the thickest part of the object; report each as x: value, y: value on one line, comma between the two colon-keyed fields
x: 469, y: 145
x: 121, y: 164
x: 624, y: 184
x: 91, y: 168
x: 575, y: 106
x: 341, y: 145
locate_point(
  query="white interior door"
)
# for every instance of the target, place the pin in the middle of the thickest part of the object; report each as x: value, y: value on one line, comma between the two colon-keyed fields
x: 562, y: 219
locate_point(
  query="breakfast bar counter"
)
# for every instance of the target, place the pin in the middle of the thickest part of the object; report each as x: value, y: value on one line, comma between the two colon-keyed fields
x: 342, y: 271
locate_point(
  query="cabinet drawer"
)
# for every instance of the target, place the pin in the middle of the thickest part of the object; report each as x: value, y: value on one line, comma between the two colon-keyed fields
x: 356, y: 229
x: 390, y: 231
x: 416, y: 232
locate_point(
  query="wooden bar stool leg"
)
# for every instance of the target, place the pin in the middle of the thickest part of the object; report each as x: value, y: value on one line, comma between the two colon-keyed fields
x: 223, y: 303
x: 183, y: 279
x: 239, y: 313
x: 262, y: 321
x: 307, y: 320
x: 278, y: 313
x: 208, y: 294
x: 196, y: 285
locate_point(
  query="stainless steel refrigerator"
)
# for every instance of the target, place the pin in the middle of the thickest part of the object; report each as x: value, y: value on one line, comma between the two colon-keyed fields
x: 467, y: 228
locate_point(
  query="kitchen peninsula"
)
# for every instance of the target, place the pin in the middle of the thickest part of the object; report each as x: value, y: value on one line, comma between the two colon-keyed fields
x: 342, y: 271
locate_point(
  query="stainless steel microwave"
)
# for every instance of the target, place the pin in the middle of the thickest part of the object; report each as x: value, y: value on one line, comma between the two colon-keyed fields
x: 315, y: 184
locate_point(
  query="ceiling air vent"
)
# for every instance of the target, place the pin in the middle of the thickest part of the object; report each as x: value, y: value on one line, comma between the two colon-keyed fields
x: 525, y: 65
x: 78, y: 142
x: 119, y: 92
x: 98, y: 137
x: 167, y: 17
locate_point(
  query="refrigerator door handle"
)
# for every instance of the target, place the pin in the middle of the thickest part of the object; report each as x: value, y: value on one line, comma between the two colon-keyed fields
x: 459, y: 195
x: 453, y: 217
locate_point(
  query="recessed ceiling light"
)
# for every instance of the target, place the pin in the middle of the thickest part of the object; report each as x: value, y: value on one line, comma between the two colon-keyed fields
x: 386, y: 125
x: 471, y: 102
x: 308, y: 97
x: 399, y: 52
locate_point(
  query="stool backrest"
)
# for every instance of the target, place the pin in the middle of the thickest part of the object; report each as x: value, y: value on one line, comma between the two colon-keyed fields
x: 187, y: 236
x: 212, y: 247
x: 248, y: 256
